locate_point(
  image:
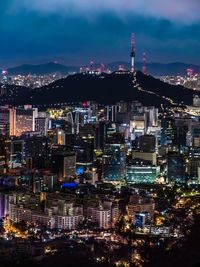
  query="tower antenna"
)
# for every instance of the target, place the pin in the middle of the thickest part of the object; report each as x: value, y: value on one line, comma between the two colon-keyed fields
x: 132, y: 52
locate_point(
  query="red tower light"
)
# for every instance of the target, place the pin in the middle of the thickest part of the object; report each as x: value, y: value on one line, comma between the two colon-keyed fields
x: 190, y: 71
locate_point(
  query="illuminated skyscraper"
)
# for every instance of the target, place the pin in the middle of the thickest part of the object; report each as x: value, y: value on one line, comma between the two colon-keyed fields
x: 141, y: 171
x: 176, y: 171
x: 22, y: 120
x: 41, y: 125
x: 114, y: 162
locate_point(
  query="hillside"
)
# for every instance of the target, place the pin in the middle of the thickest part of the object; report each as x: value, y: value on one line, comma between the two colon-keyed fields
x: 105, y: 89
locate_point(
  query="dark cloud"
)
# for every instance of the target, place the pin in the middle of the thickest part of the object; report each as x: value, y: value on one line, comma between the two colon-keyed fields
x: 186, y: 11
x: 37, y: 31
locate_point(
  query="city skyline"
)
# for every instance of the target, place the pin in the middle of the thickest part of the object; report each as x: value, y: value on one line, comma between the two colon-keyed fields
x: 100, y: 133
x: 73, y: 32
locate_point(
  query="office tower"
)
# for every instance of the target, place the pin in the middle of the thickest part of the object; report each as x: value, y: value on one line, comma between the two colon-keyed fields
x: 136, y: 108
x: 112, y: 113
x: 4, y: 204
x: 149, y: 156
x: 61, y: 137
x: 41, y: 125
x: 181, y: 128
x: 114, y: 162
x: 111, y: 129
x: 4, y: 120
x: 123, y: 117
x: 63, y: 164
x: 70, y: 165
x: 195, y: 135
x: 16, y: 152
x: 84, y: 148
x: 22, y: 120
x: 1, y: 205
x: 152, y: 116
x: 109, y: 133
x: 70, y: 141
x: 138, y: 125
x: 4, y: 153
x: 176, y: 168
x: 100, y: 135
x: 37, y: 148
x: 147, y: 143
x: 37, y: 183
x: 58, y: 123
x: 193, y: 166
x: 167, y: 131
x: 123, y: 106
x: 49, y: 182
x: 141, y: 171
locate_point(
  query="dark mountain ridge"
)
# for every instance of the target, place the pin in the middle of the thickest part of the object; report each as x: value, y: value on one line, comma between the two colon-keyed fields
x: 105, y: 89
x: 41, y: 69
x: 155, y: 69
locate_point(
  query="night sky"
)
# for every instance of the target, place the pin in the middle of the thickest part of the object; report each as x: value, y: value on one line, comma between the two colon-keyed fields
x: 75, y: 31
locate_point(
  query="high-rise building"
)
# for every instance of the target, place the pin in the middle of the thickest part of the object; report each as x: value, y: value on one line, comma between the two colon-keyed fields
x: 22, y: 120
x: 61, y: 137
x: 193, y: 166
x: 152, y: 117
x: 149, y: 156
x: 38, y: 149
x: 1, y: 205
x: 41, y: 125
x: 181, y: 128
x: 167, y: 131
x: 4, y: 204
x: 114, y: 162
x: 176, y: 168
x: 16, y: 152
x: 112, y: 113
x: 4, y: 120
x: 84, y: 148
x: 147, y: 143
x: 141, y: 171
x: 138, y: 125
x: 64, y: 164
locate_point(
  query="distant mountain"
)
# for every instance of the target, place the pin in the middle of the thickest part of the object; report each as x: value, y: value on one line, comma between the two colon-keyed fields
x: 105, y: 89
x: 155, y: 69
x: 41, y: 69
x: 158, y: 69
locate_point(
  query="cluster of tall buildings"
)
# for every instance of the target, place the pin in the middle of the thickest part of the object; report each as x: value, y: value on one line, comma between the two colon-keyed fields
x: 83, y: 136
x: 86, y: 145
